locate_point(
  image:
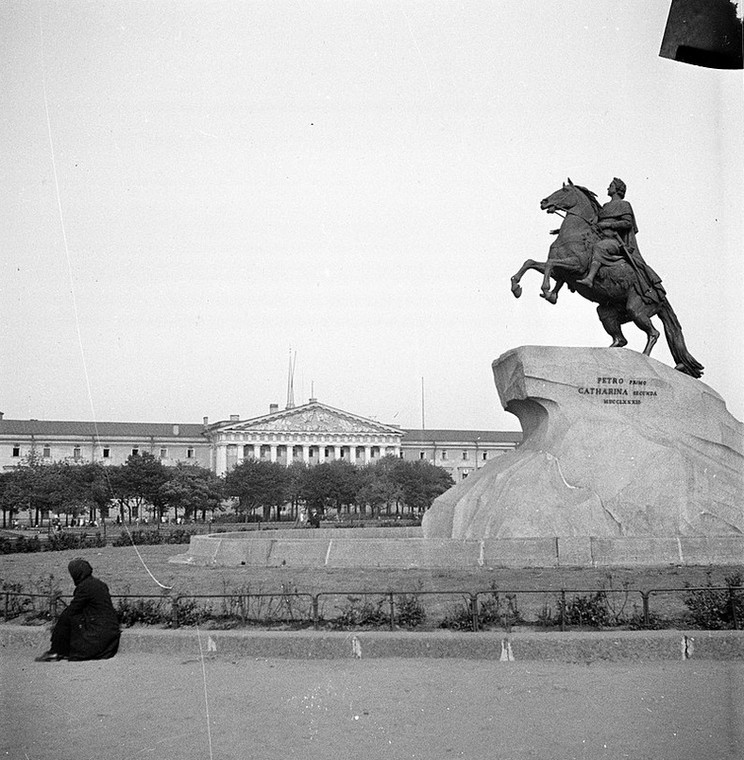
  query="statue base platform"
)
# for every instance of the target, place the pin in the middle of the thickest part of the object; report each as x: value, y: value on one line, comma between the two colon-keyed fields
x: 616, y: 444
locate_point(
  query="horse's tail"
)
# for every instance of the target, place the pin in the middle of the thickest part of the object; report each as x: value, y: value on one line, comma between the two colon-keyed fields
x: 673, y: 330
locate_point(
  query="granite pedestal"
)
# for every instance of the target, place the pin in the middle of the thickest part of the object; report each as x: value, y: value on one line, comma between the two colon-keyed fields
x: 616, y: 444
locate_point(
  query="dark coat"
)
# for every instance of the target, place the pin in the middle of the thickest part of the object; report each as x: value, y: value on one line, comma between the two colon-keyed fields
x: 94, y: 624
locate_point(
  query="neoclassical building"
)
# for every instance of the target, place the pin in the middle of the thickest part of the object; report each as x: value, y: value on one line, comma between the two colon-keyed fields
x: 311, y: 433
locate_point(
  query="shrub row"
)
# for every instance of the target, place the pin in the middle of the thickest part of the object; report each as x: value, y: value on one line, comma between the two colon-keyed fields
x: 55, y: 543
x: 150, y: 537
x: 63, y: 540
x: 709, y: 609
x: 717, y: 609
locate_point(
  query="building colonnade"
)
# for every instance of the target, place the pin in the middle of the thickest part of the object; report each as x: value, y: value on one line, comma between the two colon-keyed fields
x: 287, y: 450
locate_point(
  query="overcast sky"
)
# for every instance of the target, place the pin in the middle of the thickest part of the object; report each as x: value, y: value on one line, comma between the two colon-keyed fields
x: 354, y: 181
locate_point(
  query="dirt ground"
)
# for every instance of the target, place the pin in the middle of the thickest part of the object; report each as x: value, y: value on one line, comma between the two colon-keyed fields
x: 144, y: 705
x: 188, y: 708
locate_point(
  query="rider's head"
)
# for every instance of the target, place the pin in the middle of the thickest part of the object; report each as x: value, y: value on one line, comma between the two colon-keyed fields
x: 620, y: 186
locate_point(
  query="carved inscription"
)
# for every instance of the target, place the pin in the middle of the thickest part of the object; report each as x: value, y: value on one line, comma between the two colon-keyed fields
x: 619, y: 390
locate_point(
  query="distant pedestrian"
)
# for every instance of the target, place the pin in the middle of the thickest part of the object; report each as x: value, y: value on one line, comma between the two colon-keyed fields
x: 88, y: 628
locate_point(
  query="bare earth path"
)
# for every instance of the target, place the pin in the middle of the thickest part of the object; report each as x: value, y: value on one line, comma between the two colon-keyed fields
x: 146, y: 706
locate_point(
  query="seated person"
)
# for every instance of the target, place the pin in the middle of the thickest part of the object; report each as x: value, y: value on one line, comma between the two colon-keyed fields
x: 88, y: 629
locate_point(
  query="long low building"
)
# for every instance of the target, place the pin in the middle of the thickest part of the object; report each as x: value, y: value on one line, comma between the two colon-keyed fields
x: 311, y: 433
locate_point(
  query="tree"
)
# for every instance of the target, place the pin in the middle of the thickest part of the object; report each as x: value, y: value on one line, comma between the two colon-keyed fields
x: 137, y: 483
x: 296, y: 474
x: 52, y: 488
x: 421, y: 482
x: 332, y: 484
x: 192, y: 489
x: 94, y: 489
x: 13, y: 494
x: 258, y: 484
x: 380, y: 486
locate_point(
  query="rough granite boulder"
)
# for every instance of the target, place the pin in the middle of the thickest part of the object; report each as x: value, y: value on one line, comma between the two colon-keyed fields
x: 615, y: 444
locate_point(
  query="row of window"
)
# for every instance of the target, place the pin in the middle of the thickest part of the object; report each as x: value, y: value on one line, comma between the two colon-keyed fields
x: 263, y: 451
x: 443, y: 454
x: 77, y: 452
x: 247, y: 452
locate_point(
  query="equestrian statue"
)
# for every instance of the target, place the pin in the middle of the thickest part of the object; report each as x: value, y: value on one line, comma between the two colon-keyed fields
x: 595, y: 253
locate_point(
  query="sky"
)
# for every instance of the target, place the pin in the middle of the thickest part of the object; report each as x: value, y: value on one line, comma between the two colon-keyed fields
x: 193, y: 192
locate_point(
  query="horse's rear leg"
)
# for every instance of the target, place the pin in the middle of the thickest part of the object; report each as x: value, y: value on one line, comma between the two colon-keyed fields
x: 609, y: 316
x: 640, y: 313
x: 516, y: 288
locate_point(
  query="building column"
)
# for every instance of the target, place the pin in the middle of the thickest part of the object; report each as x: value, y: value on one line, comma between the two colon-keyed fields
x: 221, y: 457
x: 272, y: 452
x: 231, y: 456
x: 305, y: 453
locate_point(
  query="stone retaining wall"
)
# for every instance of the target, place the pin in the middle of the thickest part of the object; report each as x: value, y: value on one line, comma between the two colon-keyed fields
x: 341, y: 548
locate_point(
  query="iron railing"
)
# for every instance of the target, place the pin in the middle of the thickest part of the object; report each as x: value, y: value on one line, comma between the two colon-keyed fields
x: 471, y: 610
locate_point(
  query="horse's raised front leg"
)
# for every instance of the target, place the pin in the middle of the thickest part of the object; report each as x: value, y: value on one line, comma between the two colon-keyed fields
x: 545, y: 287
x: 552, y: 297
x: 516, y: 288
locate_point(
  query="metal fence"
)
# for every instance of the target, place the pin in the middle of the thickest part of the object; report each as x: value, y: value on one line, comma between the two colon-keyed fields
x: 561, y: 609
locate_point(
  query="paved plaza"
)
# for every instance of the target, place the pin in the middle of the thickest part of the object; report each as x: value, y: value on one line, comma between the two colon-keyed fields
x: 192, y: 706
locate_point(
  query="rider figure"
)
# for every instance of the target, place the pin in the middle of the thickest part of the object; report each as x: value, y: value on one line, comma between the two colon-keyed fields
x: 617, y: 224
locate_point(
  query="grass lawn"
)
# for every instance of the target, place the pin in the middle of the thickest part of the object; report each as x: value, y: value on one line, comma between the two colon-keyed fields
x: 125, y: 573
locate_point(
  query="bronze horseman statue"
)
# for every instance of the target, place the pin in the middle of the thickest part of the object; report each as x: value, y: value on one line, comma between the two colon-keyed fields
x: 595, y: 253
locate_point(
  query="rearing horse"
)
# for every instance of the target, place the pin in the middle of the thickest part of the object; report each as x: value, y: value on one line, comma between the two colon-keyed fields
x: 617, y: 288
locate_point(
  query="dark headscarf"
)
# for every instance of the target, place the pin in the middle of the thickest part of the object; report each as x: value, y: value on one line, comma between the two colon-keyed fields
x: 79, y: 569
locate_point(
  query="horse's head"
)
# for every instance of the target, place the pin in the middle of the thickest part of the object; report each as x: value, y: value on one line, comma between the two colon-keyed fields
x: 571, y: 195
x: 561, y: 200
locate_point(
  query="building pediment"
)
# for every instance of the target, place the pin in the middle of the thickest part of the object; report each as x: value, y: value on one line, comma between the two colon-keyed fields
x: 310, y: 418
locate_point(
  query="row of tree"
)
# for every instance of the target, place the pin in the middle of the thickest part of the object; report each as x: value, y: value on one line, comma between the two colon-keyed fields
x: 144, y: 487
x: 90, y: 491
x: 391, y: 485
